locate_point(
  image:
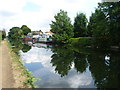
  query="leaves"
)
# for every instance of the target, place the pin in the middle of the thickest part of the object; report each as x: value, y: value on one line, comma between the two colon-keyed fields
x: 61, y: 27
x: 80, y: 25
x: 25, y: 29
x: 104, y: 25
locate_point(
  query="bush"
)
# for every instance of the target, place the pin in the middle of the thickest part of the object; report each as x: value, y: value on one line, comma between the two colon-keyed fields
x: 83, y: 42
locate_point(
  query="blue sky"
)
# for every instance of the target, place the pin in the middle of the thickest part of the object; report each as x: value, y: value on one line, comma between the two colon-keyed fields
x: 38, y: 14
x: 32, y: 7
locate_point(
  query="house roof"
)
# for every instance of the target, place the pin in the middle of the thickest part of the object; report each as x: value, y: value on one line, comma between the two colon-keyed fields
x: 49, y: 32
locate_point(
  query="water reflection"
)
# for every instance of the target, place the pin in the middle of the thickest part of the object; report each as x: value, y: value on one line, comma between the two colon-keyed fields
x: 80, y: 60
x: 105, y: 74
x: 18, y: 45
x: 68, y: 67
x: 62, y: 60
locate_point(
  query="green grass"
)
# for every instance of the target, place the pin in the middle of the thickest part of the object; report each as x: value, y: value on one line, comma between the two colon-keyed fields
x: 81, y: 42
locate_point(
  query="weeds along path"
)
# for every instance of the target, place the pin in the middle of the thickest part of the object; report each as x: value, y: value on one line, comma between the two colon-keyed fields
x: 6, y: 64
x: 0, y: 66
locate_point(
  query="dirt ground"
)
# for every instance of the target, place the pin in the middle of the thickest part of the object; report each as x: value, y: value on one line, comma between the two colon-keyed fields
x: 0, y: 67
x: 6, y: 80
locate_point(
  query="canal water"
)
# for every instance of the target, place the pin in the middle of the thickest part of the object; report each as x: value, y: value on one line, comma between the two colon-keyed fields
x: 66, y: 67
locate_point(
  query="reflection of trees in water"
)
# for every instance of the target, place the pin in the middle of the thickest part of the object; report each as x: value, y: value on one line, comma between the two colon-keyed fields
x: 80, y: 62
x: 18, y: 45
x: 25, y: 48
x: 104, y: 74
x: 62, y: 59
x: 97, y: 67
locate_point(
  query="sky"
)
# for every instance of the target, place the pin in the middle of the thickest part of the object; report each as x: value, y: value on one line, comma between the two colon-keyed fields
x: 38, y: 14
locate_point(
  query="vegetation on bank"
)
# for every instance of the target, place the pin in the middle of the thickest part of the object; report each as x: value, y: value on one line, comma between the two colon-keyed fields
x: 2, y: 34
x: 80, y: 25
x: 23, y: 78
x: 81, y: 42
x: 103, y: 28
x: 17, y: 33
x: 61, y: 27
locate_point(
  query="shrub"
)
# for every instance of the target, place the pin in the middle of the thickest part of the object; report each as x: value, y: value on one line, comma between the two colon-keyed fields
x: 83, y: 42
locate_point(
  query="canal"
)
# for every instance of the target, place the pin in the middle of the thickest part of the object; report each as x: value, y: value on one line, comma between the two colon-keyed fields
x: 66, y: 67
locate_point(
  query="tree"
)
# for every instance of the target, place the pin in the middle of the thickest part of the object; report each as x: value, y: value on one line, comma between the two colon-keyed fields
x: 99, y: 28
x: 90, y: 26
x: 61, y: 27
x: 80, y: 25
x: 112, y: 12
x: 3, y: 34
x: 25, y: 29
x: 15, y: 34
x: 104, y: 25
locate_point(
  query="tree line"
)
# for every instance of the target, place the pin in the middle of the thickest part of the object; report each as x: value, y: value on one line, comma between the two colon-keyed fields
x: 17, y: 33
x: 103, y: 26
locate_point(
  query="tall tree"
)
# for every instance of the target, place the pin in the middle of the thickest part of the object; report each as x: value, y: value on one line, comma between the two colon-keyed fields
x: 112, y: 12
x: 62, y: 27
x: 90, y: 26
x: 80, y: 25
x: 25, y: 29
x: 99, y: 28
x: 105, y: 24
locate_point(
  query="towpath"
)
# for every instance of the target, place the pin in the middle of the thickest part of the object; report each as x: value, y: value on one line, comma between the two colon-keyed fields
x: 6, y: 76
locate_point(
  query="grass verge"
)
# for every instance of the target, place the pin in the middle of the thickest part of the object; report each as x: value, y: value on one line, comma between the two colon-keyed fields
x: 23, y: 78
x: 83, y: 42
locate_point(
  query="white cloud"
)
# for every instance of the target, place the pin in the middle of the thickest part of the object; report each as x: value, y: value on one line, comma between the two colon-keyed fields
x: 12, y: 5
x: 48, y: 74
x: 82, y: 79
x: 12, y: 13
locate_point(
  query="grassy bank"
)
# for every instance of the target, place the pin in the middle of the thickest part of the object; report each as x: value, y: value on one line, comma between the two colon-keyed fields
x: 23, y: 78
x: 84, y: 42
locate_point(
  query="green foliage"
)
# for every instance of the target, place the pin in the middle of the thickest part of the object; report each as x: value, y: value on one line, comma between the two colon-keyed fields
x: 63, y: 63
x: 80, y: 25
x: 112, y: 12
x: 80, y: 62
x: 98, y: 25
x: 104, y: 25
x: 25, y: 47
x: 30, y: 79
x: 90, y: 25
x: 2, y: 34
x: 25, y: 29
x: 83, y: 42
x: 15, y: 34
x: 15, y: 37
x: 61, y: 27
x: 18, y: 45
